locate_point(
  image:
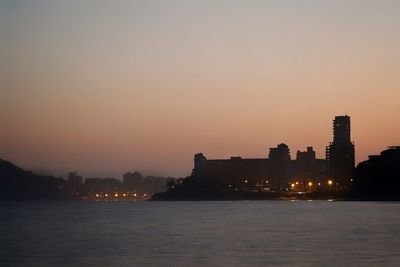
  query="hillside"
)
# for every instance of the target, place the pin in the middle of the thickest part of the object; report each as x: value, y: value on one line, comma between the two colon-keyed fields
x: 16, y: 183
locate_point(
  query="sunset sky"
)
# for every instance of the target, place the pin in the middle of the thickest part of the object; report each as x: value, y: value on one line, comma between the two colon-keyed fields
x: 105, y: 87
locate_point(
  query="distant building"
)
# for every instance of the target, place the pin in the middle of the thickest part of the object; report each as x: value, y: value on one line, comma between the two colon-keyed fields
x: 340, y: 154
x: 74, y: 179
x: 132, y: 181
x: 135, y: 182
x: 75, y: 183
x: 102, y: 185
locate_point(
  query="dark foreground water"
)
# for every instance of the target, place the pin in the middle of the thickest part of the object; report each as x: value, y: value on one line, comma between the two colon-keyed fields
x: 237, y: 233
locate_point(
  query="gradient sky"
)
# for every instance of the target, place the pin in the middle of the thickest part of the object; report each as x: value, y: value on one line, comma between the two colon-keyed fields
x: 103, y: 87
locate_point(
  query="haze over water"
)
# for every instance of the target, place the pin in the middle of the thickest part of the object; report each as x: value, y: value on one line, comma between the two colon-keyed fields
x: 103, y: 87
x: 238, y: 233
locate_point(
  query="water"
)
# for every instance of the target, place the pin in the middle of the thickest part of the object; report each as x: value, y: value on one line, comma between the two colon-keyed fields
x: 236, y: 233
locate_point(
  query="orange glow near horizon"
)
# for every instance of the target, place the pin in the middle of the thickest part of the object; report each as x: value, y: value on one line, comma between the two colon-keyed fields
x: 145, y: 86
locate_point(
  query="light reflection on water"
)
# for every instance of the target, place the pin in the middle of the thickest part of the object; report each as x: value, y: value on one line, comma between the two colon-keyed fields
x: 225, y: 233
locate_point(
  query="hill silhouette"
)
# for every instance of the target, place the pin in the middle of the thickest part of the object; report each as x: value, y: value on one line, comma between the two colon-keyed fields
x: 16, y: 184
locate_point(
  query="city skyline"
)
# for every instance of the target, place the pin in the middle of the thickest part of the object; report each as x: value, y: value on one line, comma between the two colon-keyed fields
x: 199, y: 133
x: 104, y: 88
x: 341, y: 132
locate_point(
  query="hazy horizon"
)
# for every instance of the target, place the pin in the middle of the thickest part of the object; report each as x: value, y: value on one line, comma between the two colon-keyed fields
x: 105, y: 87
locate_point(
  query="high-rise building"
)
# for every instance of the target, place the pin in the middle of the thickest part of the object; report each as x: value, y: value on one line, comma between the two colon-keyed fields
x: 280, y: 166
x: 341, y: 129
x: 340, y: 153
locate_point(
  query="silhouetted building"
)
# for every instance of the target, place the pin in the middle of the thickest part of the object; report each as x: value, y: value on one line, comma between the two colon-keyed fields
x: 278, y: 172
x: 132, y: 181
x: 75, y: 182
x: 340, y: 153
x: 234, y: 173
x: 281, y: 153
x: 306, y: 163
x: 135, y: 182
x: 263, y: 174
x: 108, y: 185
x: 280, y: 166
x: 74, y: 179
x: 153, y: 184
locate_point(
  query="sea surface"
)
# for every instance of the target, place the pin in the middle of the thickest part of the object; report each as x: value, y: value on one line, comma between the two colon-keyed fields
x: 222, y: 233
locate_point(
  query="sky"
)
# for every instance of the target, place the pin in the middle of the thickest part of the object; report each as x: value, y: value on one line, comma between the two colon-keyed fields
x: 105, y: 87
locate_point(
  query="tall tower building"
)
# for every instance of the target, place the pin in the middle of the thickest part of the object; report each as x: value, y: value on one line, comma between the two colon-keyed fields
x: 279, y: 158
x: 341, y: 130
x: 340, y: 153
